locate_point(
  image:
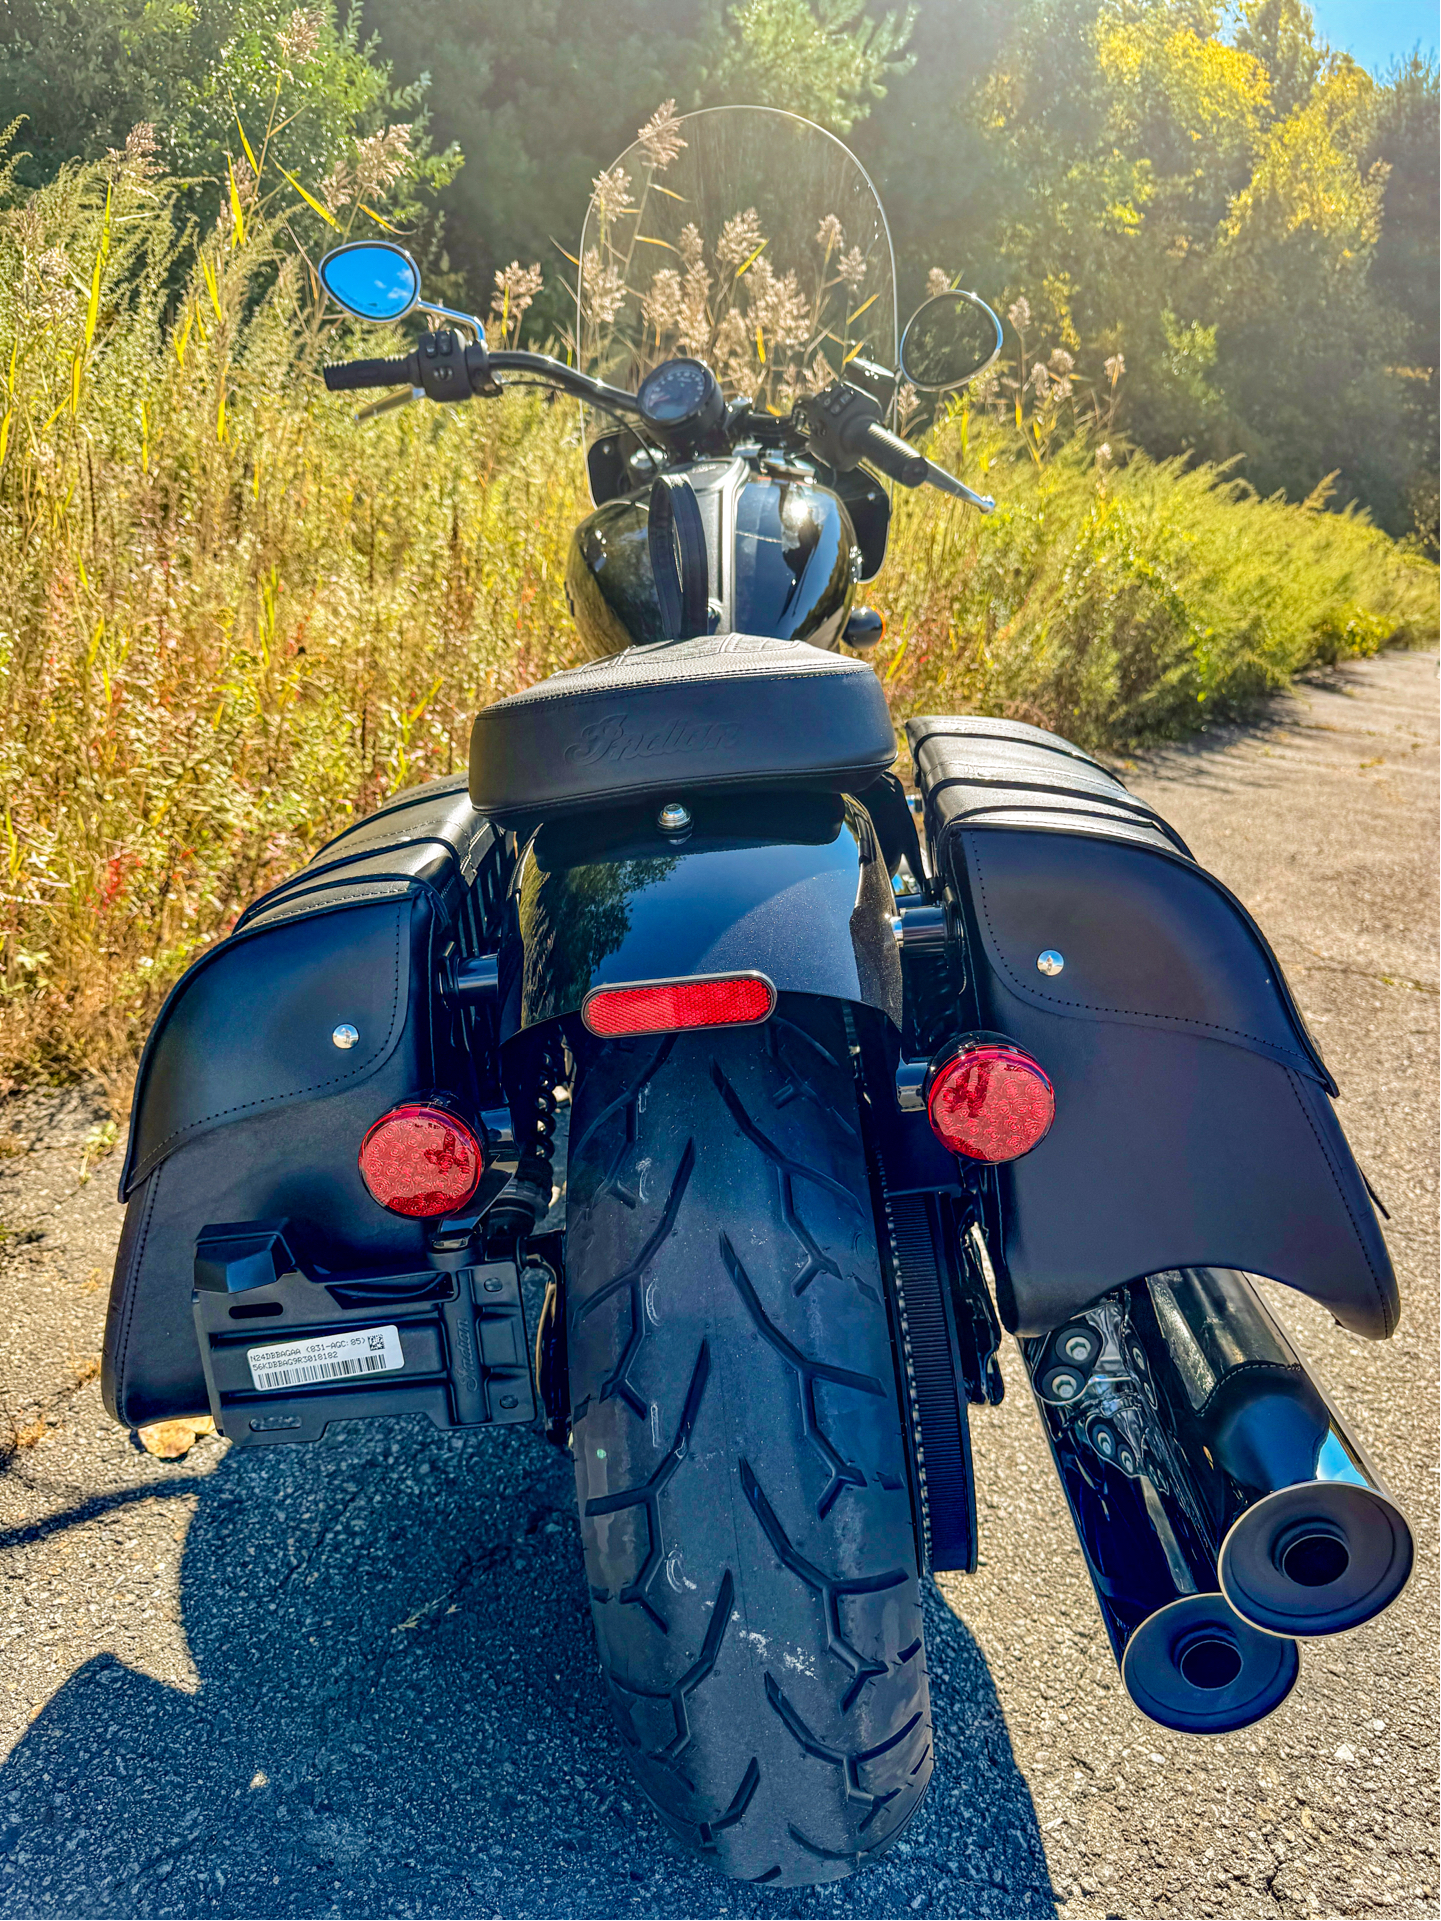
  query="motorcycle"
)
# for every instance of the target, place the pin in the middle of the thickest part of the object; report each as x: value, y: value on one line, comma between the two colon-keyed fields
x: 852, y: 1083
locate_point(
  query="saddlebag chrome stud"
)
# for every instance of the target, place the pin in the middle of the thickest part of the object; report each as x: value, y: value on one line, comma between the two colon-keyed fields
x: 673, y: 818
x: 1050, y: 962
x: 345, y: 1035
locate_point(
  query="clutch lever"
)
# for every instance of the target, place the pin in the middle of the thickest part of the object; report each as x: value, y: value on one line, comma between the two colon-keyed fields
x: 389, y: 404
x: 948, y: 484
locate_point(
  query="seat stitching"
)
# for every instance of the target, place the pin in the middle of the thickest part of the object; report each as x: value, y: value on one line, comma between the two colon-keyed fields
x: 537, y: 696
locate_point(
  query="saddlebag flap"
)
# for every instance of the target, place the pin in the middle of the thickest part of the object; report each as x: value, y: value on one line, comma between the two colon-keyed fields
x: 1194, y: 1125
x: 250, y: 1106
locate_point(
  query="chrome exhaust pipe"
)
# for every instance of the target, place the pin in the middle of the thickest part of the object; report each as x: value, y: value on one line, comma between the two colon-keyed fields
x: 1311, y: 1542
x: 1185, y: 1386
x: 1188, y: 1660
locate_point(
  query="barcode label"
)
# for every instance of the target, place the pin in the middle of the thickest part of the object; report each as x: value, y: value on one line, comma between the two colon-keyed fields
x: 334, y: 1357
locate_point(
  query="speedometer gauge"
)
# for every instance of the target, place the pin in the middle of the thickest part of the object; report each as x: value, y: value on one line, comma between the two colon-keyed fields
x: 681, y: 399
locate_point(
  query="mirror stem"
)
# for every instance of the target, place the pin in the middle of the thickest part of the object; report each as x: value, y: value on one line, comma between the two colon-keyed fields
x: 450, y: 313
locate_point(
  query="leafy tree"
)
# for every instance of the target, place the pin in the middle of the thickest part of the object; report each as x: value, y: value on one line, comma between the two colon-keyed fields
x: 542, y: 96
x: 201, y: 79
x: 824, y: 59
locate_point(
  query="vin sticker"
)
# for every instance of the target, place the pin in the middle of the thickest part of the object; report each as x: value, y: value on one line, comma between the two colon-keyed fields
x: 334, y: 1357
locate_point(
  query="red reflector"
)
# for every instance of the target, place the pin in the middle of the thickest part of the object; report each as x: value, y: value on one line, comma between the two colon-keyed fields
x: 660, y: 1007
x: 991, y: 1102
x: 421, y: 1161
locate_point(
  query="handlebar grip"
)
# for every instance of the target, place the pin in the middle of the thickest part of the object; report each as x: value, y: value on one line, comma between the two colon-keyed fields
x: 894, y: 458
x: 347, y: 376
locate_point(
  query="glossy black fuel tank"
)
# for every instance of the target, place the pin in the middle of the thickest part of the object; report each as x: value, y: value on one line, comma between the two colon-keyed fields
x: 782, y: 554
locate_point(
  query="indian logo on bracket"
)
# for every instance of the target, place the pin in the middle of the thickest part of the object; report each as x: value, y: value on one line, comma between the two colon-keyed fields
x: 611, y: 740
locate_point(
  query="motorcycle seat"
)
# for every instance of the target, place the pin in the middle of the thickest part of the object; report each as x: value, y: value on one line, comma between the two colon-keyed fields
x: 723, y: 710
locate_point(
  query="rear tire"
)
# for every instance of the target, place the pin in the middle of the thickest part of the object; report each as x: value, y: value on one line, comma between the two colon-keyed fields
x: 739, y: 1457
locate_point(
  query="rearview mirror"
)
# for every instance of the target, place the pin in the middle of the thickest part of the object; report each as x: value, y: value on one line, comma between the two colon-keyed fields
x: 948, y: 341
x: 371, y: 279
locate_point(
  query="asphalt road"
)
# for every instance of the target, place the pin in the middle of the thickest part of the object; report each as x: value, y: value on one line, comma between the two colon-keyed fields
x: 358, y: 1678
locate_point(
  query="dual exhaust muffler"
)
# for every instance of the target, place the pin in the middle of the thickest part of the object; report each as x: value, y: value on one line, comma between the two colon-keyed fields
x: 1222, y: 1506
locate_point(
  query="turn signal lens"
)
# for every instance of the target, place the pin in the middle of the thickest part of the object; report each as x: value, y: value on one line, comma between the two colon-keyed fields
x: 991, y: 1102
x: 421, y: 1161
x: 662, y: 1007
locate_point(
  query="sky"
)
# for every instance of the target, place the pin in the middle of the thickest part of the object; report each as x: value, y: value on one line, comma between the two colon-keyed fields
x: 1374, y: 31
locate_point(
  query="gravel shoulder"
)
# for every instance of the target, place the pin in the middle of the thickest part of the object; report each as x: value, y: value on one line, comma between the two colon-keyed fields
x: 359, y: 1678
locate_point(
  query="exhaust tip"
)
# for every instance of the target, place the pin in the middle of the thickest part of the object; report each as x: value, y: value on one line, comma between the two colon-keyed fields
x: 1316, y: 1559
x: 1197, y: 1668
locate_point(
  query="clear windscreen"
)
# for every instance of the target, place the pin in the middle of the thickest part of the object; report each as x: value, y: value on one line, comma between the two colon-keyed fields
x: 743, y: 237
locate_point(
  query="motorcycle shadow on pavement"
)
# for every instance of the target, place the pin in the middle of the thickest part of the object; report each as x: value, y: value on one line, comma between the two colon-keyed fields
x: 400, y: 1713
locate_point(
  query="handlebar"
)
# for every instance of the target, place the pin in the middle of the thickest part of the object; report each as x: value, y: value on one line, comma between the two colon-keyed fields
x: 892, y: 456
x: 352, y: 375
x: 569, y: 379
x: 450, y: 371
x: 841, y: 425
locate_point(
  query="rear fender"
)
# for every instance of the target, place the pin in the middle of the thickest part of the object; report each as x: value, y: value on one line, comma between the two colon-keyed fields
x: 794, y: 886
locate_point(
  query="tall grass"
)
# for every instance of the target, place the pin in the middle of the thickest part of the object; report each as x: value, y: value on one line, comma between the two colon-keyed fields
x: 230, y: 619
x: 1119, y: 602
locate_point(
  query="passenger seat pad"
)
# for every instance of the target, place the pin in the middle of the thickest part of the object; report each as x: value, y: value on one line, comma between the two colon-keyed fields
x: 719, y: 711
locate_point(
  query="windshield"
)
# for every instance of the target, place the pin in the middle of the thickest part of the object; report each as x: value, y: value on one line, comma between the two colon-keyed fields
x: 743, y: 237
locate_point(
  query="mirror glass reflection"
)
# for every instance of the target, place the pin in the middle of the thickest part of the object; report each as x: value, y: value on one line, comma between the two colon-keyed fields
x: 948, y: 341
x: 371, y: 280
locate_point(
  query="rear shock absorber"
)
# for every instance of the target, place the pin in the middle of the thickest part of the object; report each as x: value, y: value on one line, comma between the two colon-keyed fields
x: 527, y: 1198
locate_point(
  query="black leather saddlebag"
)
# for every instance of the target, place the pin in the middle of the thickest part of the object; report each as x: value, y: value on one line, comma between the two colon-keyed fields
x: 246, y: 1109
x: 1194, y: 1121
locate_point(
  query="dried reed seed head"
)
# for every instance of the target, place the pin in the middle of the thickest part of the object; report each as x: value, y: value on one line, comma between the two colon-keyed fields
x: 937, y: 281
x: 907, y: 404
x: 515, y: 289
x: 821, y: 374
x: 610, y: 192
x: 1019, y: 314
x: 776, y: 305
x: 735, y: 349
x: 246, y: 183
x: 739, y: 239
x: 603, y: 287
x: 852, y: 270
x: 1115, y: 367
x: 830, y: 234
x: 692, y: 247
x: 661, y: 306
x: 137, y: 157
x: 382, y: 158
x: 1061, y: 362
x: 985, y: 386
x: 660, y: 136
x: 299, y: 38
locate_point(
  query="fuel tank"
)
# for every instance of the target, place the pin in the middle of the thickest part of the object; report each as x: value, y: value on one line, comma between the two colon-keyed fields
x: 782, y: 552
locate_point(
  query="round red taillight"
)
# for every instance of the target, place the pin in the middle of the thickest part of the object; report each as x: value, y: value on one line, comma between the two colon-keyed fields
x: 990, y: 1101
x: 421, y: 1161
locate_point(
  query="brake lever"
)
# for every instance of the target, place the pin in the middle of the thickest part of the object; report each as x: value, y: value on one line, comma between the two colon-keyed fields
x: 945, y: 483
x: 389, y: 404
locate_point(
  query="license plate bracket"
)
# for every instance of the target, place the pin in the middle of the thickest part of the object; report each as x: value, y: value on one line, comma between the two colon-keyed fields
x: 451, y: 1345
